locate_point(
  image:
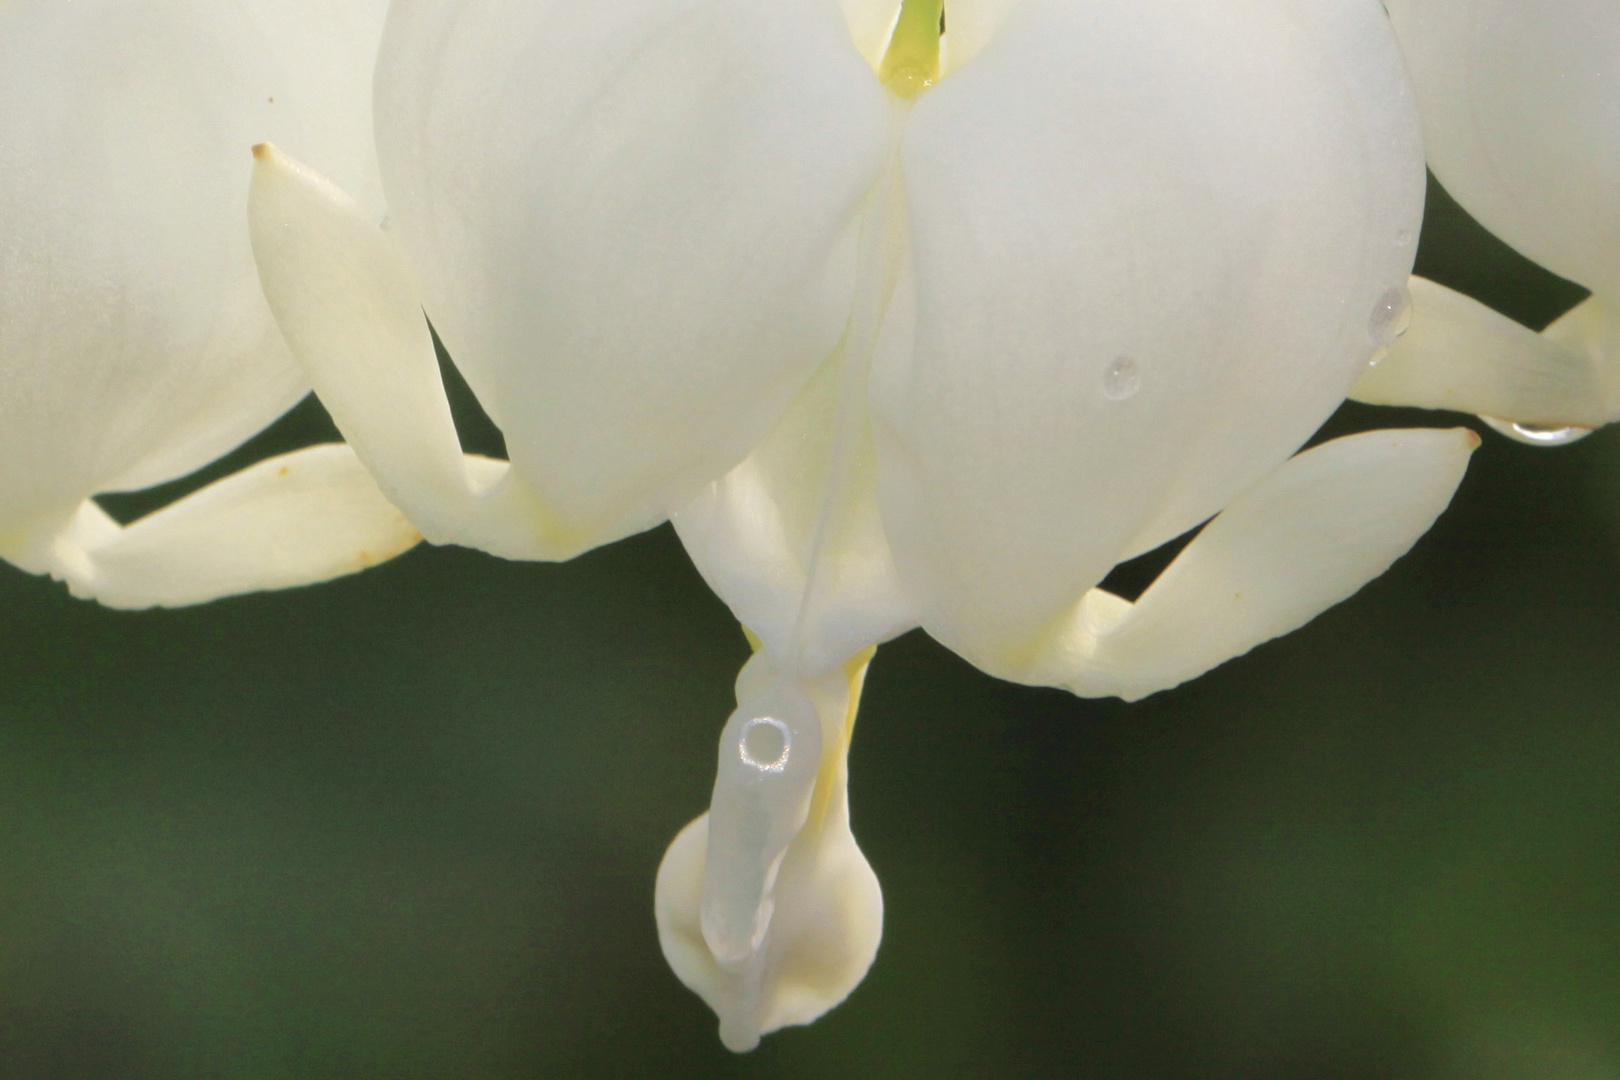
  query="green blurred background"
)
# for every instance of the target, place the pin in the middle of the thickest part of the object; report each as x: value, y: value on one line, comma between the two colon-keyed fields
x: 406, y: 824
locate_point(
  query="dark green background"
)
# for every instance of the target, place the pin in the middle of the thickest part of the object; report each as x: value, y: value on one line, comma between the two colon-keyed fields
x: 406, y: 824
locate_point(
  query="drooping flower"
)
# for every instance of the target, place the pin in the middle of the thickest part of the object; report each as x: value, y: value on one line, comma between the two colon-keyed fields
x: 1521, y: 121
x: 905, y: 317
x: 135, y: 345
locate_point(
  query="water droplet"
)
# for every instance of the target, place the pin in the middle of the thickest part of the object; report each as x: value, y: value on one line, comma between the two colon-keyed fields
x: 1377, y: 357
x: 1122, y: 379
x: 1390, y: 317
x: 765, y: 744
x: 1538, y: 434
x: 1403, y: 238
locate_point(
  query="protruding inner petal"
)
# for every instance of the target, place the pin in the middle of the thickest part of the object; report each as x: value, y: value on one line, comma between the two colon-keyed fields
x: 348, y: 306
x: 791, y: 537
x: 770, y: 755
x: 813, y: 929
x: 304, y: 517
x: 1305, y: 537
x: 1459, y: 354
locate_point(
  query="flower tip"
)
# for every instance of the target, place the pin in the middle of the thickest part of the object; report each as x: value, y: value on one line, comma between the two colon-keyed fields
x: 263, y: 151
x: 739, y: 1038
x: 1471, y: 438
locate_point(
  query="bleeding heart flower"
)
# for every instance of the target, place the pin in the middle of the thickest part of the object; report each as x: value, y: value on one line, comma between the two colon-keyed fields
x: 906, y: 317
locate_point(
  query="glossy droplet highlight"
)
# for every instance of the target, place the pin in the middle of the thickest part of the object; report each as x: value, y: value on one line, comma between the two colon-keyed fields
x: 765, y: 744
x: 1390, y: 317
x: 1537, y: 434
x: 1403, y: 238
x: 1122, y: 379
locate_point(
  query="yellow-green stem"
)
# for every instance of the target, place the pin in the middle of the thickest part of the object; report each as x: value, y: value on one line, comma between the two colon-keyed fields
x: 911, y: 64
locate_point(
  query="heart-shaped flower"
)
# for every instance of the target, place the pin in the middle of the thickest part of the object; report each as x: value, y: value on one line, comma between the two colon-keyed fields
x: 906, y: 316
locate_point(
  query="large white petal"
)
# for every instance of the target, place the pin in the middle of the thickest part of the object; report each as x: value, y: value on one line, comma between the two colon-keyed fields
x: 1152, y: 241
x: 297, y: 519
x: 1459, y: 354
x: 134, y: 343
x: 633, y: 222
x: 1304, y: 538
x: 1521, y: 119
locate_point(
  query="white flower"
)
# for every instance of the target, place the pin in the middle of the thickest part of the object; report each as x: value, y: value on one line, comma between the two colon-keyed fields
x: 888, y: 355
x: 1521, y: 121
x: 135, y: 345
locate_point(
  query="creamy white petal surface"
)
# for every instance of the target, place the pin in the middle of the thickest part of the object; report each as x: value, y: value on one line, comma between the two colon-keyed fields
x: 1146, y: 263
x: 1521, y: 121
x: 349, y: 308
x: 633, y: 224
x: 1459, y: 354
x: 134, y: 343
x: 303, y: 517
x: 1305, y: 537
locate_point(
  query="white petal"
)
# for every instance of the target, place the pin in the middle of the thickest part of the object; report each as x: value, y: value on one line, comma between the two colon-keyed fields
x: 633, y: 223
x: 1150, y: 238
x: 1304, y: 538
x: 756, y: 533
x: 970, y: 24
x: 347, y: 304
x: 297, y: 519
x: 1521, y: 119
x: 871, y: 23
x: 134, y: 343
x: 1459, y: 354
x: 1592, y: 329
x: 825, y: 909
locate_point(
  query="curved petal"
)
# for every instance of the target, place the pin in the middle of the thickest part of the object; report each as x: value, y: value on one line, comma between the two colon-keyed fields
x: 791, y: 538
x: 1459, y: 354
x: 1521, y: 120
x: 824, y: 907
x: 754, y: 535
x: 1152, y: 242
x: 1304, y: 538
x: 349, y: 308
x: 134, y: 343
x: 633, y: 223
x: 297, y: 519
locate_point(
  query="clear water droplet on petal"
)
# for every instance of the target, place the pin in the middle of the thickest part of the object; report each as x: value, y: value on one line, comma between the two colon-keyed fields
x: 1377, y: 357
x: 1537, y: 434
x: 1122, y: 379
x: 1390, y: 317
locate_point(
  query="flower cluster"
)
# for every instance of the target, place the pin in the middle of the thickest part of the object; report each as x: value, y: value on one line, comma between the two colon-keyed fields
x: 922, y: 313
